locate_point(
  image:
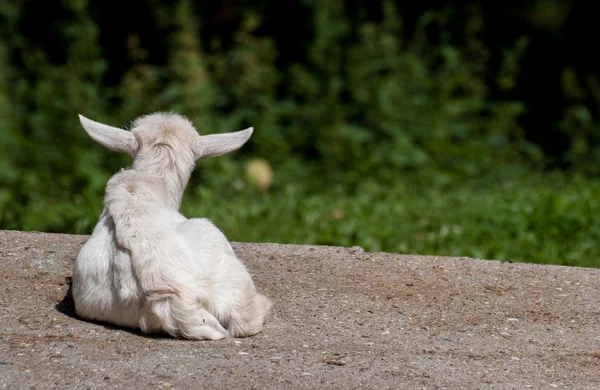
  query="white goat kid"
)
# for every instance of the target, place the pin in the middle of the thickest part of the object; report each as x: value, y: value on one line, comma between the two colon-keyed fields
x: 146, y: 266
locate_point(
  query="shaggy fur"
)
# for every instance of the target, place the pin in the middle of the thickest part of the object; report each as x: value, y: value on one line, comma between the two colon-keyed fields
x: 146, y: 266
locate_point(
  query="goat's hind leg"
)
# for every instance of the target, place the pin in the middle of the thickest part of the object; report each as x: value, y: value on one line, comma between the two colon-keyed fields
x: 203, y: 325
x: 188, y: 319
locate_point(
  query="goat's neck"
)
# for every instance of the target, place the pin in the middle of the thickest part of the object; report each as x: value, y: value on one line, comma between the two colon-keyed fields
x: 175, y: 187
x: 175, y: 182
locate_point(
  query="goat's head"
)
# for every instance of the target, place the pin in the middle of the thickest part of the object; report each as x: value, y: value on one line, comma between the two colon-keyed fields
x: 164, y: 140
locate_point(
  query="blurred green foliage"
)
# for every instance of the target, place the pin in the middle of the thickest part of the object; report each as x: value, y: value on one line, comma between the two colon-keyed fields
x: 375, y: 139
x: 514, y: 216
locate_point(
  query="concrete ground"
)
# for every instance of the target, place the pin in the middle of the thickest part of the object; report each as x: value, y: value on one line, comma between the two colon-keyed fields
x: 342, y: 318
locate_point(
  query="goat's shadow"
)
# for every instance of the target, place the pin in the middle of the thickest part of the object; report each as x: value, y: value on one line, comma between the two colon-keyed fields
x: 67, y: 307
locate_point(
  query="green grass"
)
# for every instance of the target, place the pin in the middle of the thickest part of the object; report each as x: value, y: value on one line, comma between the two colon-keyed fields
x: 526, y: 217
x: 518, y: 216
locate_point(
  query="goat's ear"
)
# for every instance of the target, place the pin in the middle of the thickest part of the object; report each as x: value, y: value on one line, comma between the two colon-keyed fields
x: 111, y: 137
x: 217, y: 144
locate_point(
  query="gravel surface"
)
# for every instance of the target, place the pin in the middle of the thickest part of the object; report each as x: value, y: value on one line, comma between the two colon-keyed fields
x: 342, y: 318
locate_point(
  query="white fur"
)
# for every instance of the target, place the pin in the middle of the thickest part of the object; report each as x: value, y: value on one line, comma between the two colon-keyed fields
x: 146, y: 266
